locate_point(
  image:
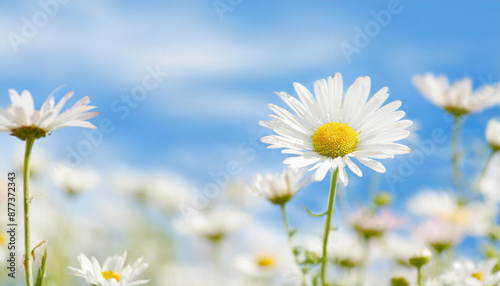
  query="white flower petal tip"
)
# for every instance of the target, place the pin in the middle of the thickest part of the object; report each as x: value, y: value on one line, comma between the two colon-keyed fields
x: 325, y: 129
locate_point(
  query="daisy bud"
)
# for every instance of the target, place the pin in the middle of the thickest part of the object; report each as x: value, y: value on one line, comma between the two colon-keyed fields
x: 382, y: 199
x: 421, y: 257
x: 399, y: 281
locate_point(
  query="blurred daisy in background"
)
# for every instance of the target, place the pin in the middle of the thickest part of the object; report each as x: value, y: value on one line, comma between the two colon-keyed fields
x: 401, y: 248
x: 493, y: 134
x: 347, y: 249
x: 440, y: 235
x: 330, y: 129
x: 112, y: 273
x: 280, y: 188
x: 75, y: 180
x: 165, y: 190
x: 475, y: 218
x: 467, y: 272
x: 373, y: 224
x: 459, y: 98
x: 214, y: 224
x: 22, y: 120
x: 169, y: 191
x: 260, y: 264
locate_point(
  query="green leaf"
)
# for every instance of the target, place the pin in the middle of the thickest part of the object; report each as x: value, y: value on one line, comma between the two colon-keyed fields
x: 41, y: 271
x: 313, y: 214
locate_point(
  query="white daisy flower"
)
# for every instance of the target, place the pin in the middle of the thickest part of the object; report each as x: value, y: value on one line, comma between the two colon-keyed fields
x: 166, y: 190
x: 112, y: 273
x: 328, y: 130
x: 493, y: 134
x: 475, y: 217
x: 280, y: 188
x: 401, y: 248
x: 22, y: 120
x: 261, y: 264
x: 347, y: 249
x: 459, y: 98
x: 468, y: 273
x: 440, y: 235
x: 214, y: 225
x: 421, y: 257
x: 75, y: 181
x: 370, y: 224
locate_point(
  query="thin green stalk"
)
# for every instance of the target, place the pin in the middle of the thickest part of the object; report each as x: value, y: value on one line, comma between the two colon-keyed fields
x: 27, y: 202
x: 483, y: 171
x: 285, y: 221
x: 419, y: 277
x: 290, y: 243
x: 331, y: 202
x: 455, y: 147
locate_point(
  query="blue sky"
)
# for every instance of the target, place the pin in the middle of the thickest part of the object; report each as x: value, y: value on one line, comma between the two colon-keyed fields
x: 222, y: 73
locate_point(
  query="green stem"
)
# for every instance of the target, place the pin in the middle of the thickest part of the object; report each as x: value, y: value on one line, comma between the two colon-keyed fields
x: 331, y: 202
x: 455, y: 147
x: 419, y: 277
x: 287, y: 226
x: 483, y: 171
x: 27, y: 202
x: 290, y: 243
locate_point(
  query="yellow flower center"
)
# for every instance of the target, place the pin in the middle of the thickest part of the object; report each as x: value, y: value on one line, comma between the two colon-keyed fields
x: 3, y: 239
x: 335, y: 139
x: 478, y: 275
x: 111, y: 274
x: 266, y: 261
x: 459, y: 217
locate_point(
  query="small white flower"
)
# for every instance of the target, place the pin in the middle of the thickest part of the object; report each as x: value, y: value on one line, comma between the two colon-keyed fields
x: 22, y: 120
x: 459, y: 98
x: 370, y: 224
x: 401, y: 248
x: 493, y: 134
x: 214, y: 225
x: 75, y: 181
x: 468, y: 273
x: 280, y: 188
x: 439, y: 234
x: 166, y: 190
x: 474, y: 218
x: 421, y: 257
x: 331, y: 128
x: 112, y: 273
x: 262, y: 264
x: 346, y: 249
